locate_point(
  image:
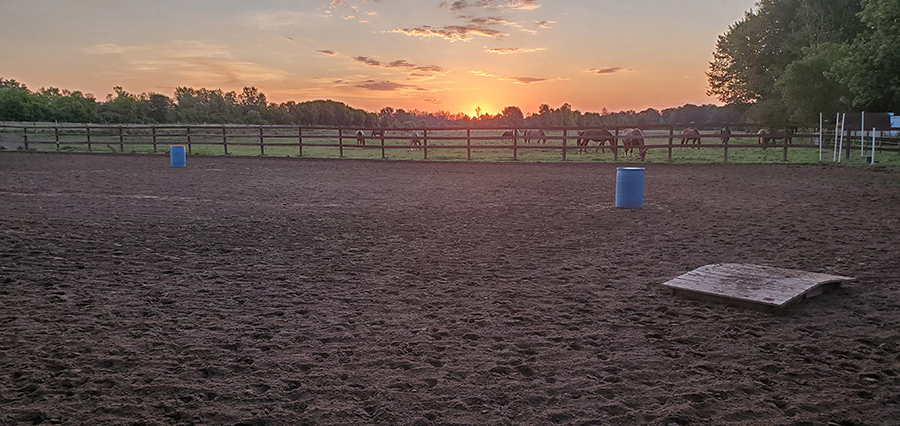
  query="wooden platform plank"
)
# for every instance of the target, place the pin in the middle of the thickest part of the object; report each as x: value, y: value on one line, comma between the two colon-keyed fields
x: 753, y: 284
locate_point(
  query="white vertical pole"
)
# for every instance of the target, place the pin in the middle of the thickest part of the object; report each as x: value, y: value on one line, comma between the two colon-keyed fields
x: 862, y: 135
x: 820, y: 136
x: 837, y: 122
x: 873, y: 145
x: 841, y: 145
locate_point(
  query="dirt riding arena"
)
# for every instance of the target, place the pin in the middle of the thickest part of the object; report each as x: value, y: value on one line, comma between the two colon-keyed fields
x: 255, y: 291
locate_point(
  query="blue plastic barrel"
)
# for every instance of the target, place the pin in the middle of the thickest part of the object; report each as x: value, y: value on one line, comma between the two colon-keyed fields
x: 630, y: 187
x: 176, y: 152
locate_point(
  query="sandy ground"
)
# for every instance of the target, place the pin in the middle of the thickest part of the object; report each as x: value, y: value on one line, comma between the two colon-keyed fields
x: 257, y: 291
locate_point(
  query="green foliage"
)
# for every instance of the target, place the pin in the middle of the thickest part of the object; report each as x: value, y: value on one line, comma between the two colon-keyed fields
x: 779, y: 62
x: 205, y: 106
x: 872, y: 69
x: 809, y: 87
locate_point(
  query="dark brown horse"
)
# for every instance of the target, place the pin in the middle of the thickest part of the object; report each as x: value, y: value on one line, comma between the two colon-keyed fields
x: 535, y: 135
x: 597, y: 135
x: 725, y: 134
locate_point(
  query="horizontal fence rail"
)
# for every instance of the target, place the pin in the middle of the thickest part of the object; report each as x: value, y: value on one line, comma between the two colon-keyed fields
x: 414, y: 142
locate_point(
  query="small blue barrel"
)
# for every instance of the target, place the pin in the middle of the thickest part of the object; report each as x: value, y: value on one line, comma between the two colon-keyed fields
x: 630, y: 187
x: 176, y: 152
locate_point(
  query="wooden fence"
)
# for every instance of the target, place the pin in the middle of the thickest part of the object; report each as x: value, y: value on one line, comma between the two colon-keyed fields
x: 296, y: 139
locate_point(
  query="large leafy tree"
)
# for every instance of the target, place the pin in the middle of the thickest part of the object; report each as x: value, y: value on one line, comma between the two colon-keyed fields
x: 778, y: 45
x: 872, y: 69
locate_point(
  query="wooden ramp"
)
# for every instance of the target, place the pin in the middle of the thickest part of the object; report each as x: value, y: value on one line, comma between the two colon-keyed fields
x: 752, y: 286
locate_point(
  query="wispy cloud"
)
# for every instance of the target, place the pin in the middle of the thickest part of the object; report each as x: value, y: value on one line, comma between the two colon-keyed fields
x: 187, y: 61
x: 513, y: 50
x: 328, y: 52
x: 491, y: 4
x: 516, y: 80
x: 273, y: 21
x: 451, y: 33
x: 388, y: 86
x: 367, y: 61
x: 399, y: 64
x: 606, y: 70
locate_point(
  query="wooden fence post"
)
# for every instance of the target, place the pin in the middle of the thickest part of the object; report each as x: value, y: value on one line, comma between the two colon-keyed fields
x: 515, y: 149
x: 469, y: 144
x: 300, y: 139
x: 262, y: 146
x: 154, y: 138
x: 726, y: 150
x: 121, y: 140
x: 671, y: 134
x: 341, y: 141
x: 785, y: 146
x: 190, y: 151
x: 616, y: 146
x: 25, y: 137
x: 225, y: 140
x: 425, y: 143
x: 565, y: 134
x: 382, y: 144
x: 88, y: 128
x: 56, y: 129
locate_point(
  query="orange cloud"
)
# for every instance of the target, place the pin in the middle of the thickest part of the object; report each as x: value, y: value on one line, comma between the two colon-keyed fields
x: 451, y: 33
x: 516, y: 80
x: 512, y: 50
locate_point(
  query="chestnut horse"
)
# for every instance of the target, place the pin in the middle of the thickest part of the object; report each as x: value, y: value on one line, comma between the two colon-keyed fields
x: 415, y: 141
x: 596, y: 135
x: 766, y: 136
x: 632, y: 138
x: 690, y: 135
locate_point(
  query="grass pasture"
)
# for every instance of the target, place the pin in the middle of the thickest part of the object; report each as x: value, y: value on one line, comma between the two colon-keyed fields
x: 441, y: 145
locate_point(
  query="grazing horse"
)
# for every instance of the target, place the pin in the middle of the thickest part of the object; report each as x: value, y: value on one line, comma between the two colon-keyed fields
x: 377, y: 132
x: 725, y: 134
x: 508, y: 136
x: 766, y: 136
x: 536, y: 135
x: 596, y: 135
x: 360, y: 138
x: 632, y: 138
x: 415, y: 141
x: 690, y: 135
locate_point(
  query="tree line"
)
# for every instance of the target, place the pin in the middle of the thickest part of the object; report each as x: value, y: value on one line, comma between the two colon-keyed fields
x: 205, y: 106
x: 787, y: 61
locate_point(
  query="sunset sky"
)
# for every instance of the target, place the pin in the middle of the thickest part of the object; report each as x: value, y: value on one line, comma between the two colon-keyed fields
x: 414, y: 54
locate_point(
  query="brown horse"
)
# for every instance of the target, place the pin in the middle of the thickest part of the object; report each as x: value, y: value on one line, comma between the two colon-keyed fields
x: 690, y: 135
x: 725, y: 134
x: 632, y: 138
x: 766, y: 136
x: 536, y: 135
x: 596, y: 135
x: 378, y: 132
x: 415, y: 141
